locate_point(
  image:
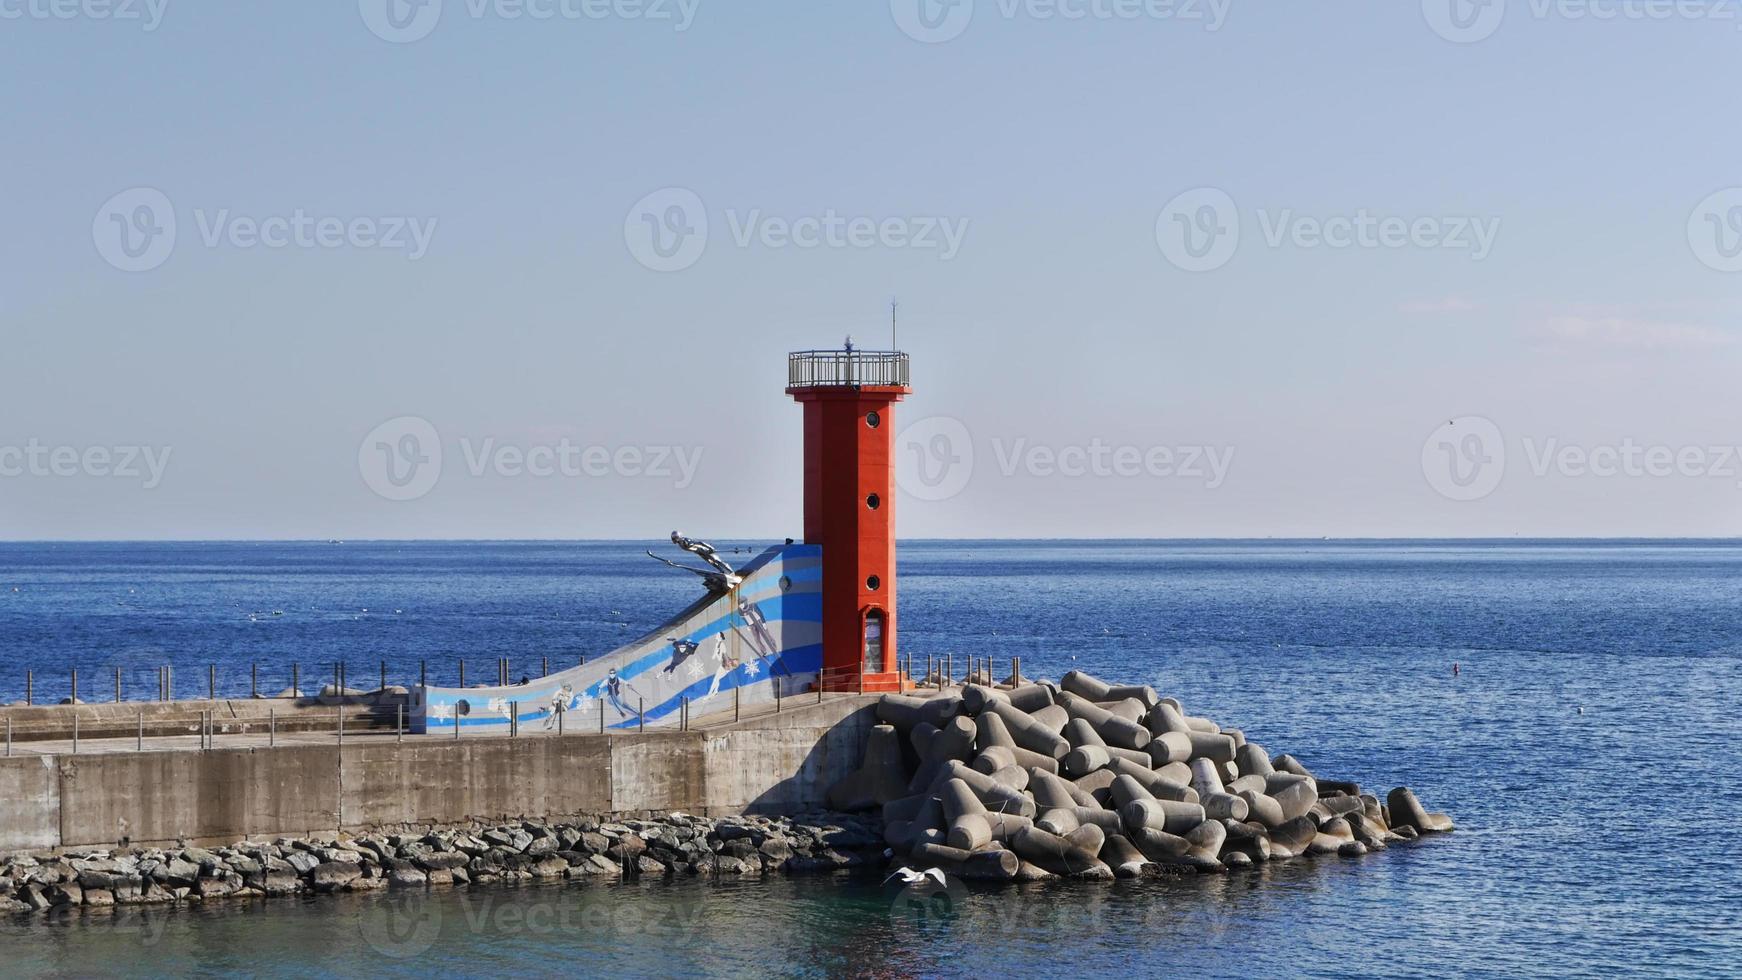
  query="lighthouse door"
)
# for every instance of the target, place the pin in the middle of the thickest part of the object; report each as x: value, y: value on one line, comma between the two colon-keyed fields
x: 874, y: 642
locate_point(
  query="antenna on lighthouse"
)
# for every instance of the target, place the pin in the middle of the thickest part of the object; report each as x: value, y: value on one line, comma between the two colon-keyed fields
x: 893, y: 308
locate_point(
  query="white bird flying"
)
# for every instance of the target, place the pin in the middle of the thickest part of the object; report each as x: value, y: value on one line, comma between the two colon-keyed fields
x: 909, y: 876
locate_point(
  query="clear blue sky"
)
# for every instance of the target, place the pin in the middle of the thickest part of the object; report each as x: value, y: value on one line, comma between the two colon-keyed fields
x: 1593, y: 317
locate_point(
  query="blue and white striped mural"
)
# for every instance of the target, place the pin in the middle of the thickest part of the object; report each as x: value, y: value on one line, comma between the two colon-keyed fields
x: 768, y: 628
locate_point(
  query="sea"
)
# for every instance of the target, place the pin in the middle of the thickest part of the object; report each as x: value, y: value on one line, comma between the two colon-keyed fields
x: 1576, y: 706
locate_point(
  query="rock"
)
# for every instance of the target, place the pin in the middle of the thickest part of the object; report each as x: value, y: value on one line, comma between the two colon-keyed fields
x: 218, y: 886
x: 334, y: 875
x: 440, y: 860
x: 177, y: 873
x: 65, y: 893
x: 1407, y: 811
x: 549, y: 866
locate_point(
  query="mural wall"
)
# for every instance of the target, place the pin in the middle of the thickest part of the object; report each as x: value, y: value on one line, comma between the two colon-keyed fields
x: 766, y: 631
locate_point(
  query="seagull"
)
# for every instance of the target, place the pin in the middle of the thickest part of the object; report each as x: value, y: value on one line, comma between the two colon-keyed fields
x: 909, y: 876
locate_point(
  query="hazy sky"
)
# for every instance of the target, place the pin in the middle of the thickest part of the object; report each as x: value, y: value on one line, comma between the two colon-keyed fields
x: 1166, y: 269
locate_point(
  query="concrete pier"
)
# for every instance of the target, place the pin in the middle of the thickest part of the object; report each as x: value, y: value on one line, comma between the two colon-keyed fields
x: 111, y: 791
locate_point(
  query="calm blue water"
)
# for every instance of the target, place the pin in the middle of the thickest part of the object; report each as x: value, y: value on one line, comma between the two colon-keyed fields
x: 1591, y: 843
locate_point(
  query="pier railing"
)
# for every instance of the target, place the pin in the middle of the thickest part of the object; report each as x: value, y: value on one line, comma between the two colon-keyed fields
x: 846, y: 369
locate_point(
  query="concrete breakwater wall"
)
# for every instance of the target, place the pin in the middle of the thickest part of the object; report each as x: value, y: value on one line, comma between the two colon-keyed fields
x: 774, y: 763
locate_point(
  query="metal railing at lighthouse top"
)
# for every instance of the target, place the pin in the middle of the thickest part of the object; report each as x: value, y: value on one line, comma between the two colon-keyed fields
x: 844, y: 368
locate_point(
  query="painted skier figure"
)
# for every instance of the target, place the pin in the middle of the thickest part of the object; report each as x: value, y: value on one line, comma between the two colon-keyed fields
x: 760, y: 636
x: 559, y: 703
x: 724, y: 664
x: 681, y: 650
x: 614, y: 695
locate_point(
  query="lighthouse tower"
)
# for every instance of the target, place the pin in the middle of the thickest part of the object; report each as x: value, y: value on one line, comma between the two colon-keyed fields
x: 849, y: 401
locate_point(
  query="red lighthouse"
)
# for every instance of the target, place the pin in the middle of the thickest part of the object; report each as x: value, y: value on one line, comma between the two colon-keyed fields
x: 849, y: 401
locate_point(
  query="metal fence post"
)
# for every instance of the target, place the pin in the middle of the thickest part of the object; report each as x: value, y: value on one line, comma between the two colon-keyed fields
x: 601, y: 716
x: 296, y: 680
x: 271, y: 728
x: 340, y: 711
x: 139, y: 739
x: 641, y: 714
x: 544, y: 663
x: 562, y: 713
x: 399, y: 725
x: 212, y: 682
x: 29, y: 687
x: 75, y: 698
x: 254, y: 679
x: 423, y: 673
x: 9, y: 738
x: 514, y: 719
x: 462, y: 673
x: 169, y: 682
x: 737, y: 704
x: 383, y: 686
x: 117, y: 685
x: 777, y: 687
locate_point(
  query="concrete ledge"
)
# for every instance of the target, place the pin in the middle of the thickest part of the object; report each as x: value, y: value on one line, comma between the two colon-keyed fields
x: 774, y: 762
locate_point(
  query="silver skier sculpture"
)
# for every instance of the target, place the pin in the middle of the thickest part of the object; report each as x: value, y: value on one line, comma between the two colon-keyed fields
x: 720, y: 580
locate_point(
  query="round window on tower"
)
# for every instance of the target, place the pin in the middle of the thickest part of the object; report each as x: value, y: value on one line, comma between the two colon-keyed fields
x: 873, y: 420
x: 874, y: 501
x: 873, y: 583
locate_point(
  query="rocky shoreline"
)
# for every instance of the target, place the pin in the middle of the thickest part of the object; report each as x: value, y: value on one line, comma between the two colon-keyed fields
x: 476, y: 857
